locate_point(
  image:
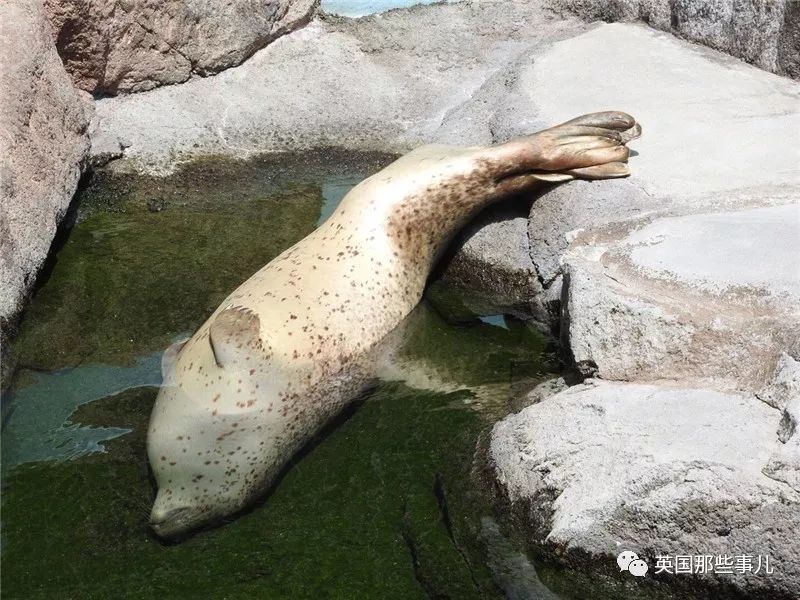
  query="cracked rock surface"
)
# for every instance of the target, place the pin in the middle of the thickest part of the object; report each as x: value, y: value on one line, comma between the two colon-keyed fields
x: 709, y: 297
x: 604, y: 467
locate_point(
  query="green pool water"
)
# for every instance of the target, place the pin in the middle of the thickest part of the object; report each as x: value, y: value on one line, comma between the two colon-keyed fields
x: 385, y: 503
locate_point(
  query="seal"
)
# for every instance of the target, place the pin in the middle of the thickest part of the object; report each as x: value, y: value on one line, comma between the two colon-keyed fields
x: 298, y: 341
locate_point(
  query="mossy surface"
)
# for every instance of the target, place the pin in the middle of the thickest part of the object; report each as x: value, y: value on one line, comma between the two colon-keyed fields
x: 358, y: 516
x: 150, y: 258
x: 382, y: 505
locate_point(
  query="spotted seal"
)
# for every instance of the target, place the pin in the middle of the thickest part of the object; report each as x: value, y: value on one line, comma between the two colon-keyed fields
x: 295, y: 343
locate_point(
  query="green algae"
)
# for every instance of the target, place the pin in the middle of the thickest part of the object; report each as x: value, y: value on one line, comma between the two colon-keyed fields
x: 150, y: 257
x: 337, y: 526
x: 382, y: 505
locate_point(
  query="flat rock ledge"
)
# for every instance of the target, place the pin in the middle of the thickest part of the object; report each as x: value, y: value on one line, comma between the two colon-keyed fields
x: 660, y: 470
x: 709, y: 297
x: 705, y: 119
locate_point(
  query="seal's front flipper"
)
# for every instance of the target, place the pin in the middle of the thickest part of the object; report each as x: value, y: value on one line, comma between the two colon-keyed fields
x: 170, y: 357
x: 235, y: 337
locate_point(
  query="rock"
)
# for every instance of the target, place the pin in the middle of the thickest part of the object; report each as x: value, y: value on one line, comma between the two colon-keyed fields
x: 789, y: 42
x: 634, y: 318
x: 491, y: 263
x: 711, y: 297
x: 110, y: 47
x: 104, y: 149
x: 605, y: 467
x: 383, y: 82
x: 684, y: 274
x: 763, y: 33
x: 783, y: 392
x: 697, y: 150
x: 784, y: 388
x: 539, y: 393
x: 43, y: 146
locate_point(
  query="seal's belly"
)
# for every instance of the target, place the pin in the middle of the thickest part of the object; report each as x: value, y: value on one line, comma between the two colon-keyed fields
x: 323, y: 401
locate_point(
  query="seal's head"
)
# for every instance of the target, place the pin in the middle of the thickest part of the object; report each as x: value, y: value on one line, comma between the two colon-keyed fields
x: 209, y: 447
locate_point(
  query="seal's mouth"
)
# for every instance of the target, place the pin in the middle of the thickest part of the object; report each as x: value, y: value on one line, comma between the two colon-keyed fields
x: 173, y: 523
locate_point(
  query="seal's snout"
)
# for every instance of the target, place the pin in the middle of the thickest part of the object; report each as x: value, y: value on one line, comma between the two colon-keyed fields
x: 170, y: 522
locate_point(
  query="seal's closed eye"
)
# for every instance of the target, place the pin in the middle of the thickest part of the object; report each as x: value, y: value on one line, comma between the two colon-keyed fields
x: 234, y: 333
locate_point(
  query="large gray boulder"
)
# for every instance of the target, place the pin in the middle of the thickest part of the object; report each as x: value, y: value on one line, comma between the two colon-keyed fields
x: 43, y: 145
x: 707, y: 121
x: 713, y: 297
x: 658, y: 470
x: 683, y: 279
x: 761, y: 32
x: 386, y: 82
x: 671, y: 274
x: 110, y: 47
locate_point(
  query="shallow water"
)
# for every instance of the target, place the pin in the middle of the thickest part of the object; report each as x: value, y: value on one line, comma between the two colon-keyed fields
x: 359, y: 8
x: 383, y: 504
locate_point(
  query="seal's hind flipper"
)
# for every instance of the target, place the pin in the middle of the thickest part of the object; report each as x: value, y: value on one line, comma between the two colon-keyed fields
x: 552, y: 176
x: 234, y: 334
x: 610, y: 170
x: 607, y: 119
x: 631, y: 134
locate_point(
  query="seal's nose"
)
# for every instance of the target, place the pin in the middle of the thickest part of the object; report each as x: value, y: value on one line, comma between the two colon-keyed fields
x: 159, y: 518
x: 168, y: 521
x: 171, y: 524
